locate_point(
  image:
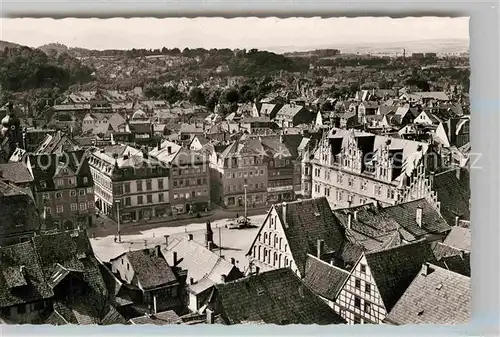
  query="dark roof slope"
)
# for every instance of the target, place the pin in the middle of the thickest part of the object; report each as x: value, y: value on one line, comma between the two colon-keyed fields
x: 151, y: 270
x: 16, y: 172
x: 323, y: 278
x: 273, y: 297
x: 393, y: 269
x: 306, y: 222
x: 438, y: 297
x: 161, y: 318
x: 453, y: 194
x: 21, y: 276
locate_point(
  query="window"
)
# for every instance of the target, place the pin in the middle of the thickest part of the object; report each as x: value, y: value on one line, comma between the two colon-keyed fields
x: 139, y: 199
x: 139, y: 185
x: 160, y: 184
x: 148, y: 185
x: 327, y: 192
x: 149, y: 198
x: 71, y: 181
x: 74, y: 207
x: 60, y: 182
x: 58, y: 195
x: 83, y: 206
x: 60, y: 208
x: 367, y: 307
x: 357, y: 302
x: 362, y: 268
x: 350, y: 182
x: 176, y: 196
x: 46, y: 196
x: 357, y: 284
x: 128, y: 266
x: 81, y: 192
x: 368, y: 288
x: 90, y: 204
x: 127, y: 201
x: 47, y: 210
x: 357, y: 319
x: 85, y: 180
x: 160, y: 197
x: 43, y: 184
x: 126, y: 187
x: 363, y: 185
x: 89, y: 190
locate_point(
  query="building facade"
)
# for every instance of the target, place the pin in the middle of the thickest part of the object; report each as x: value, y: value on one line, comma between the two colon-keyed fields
x: 189, y: 176
x: 64, y: 189
x: 352, y: 168
x: 130, y: 184
x: 237, y: 170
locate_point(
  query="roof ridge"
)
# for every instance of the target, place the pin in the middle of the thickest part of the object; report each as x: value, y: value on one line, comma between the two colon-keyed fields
x: 328, y: 264
x: 414, y: 243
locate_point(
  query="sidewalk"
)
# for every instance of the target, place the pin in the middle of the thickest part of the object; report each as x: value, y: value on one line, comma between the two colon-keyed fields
x: 109, y: 226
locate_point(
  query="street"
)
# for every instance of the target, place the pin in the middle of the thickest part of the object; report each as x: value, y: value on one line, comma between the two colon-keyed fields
x: 234, y: 242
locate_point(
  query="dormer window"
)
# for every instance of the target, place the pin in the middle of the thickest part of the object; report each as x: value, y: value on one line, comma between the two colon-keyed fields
x: 43, y: 183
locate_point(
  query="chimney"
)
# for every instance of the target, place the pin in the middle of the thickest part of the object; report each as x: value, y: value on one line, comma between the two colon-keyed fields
x: 320, y: 248
x: 191, y: 280
x: 233, y: 261
x: 166, y: 240
x: 425, y: 269
x: 154, y: 305
x: 175, y: 258
x: 210, y: 316
x: 190, y: 237
x: 349, y: 220
x: 223, y: 278
x: 431, y: 179
x: 157, y: 251
x: 169, y: 149
x: 356, y: 215
x: 284, y: 207
x: 457, y: 220
x: 419, y: 216
x: 210, y: 245
x: 458, y: 171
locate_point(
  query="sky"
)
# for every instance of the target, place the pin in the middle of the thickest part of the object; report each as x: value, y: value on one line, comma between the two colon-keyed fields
x: 261, y: 33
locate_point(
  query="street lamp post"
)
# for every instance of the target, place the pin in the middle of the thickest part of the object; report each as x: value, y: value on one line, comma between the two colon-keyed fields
x: 117, y: 202
x: 245, y: 186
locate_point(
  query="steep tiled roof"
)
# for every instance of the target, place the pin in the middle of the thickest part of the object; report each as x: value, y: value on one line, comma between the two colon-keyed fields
x: 56, y: 144
x: 393, y: 269
x: 452, y: 258
x: 274, y: 297
x: 306, y: 222
x: 199, y: 261
x: 438, y: 297
x: 16, y: 172
x: 161, y: 318
x: 459, y: 237
x: 323, y: 278
x: 21, y: 276
x: 453, y: 194
x: 150, y: 270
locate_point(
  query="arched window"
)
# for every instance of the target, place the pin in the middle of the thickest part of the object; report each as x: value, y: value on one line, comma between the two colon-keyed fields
x: 265, y: 237
x: 286, y: 246
x: 254, y: 252
x: 259, y: 238
x: 286, y: 261
x: 258, y: 253
x: 270, y: 237
x: 279, y: 261
x: 275, y: 258
x: 269, y: 257
x: 281, y: 241
x: 265, y: 254
x: 275, y: 243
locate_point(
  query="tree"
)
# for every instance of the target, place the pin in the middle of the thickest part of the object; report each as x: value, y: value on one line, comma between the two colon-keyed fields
x: 229, y: 96
x: 197, y: 96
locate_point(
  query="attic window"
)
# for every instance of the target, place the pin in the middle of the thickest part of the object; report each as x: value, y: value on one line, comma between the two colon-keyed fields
x: 43, y: 184
x: 439, y: 286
